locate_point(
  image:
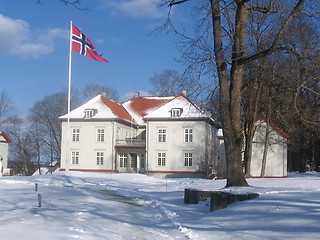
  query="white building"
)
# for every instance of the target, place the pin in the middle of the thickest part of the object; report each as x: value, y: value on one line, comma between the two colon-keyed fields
x: 153, y: 135
x: 4, y: 145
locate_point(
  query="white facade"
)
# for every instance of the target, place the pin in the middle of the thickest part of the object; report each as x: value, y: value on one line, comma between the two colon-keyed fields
x: 4, y: 145
x: 153, y: 135
x: 276, y: 154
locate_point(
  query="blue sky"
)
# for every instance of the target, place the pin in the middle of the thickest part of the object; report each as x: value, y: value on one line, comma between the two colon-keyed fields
x: 34, y: 47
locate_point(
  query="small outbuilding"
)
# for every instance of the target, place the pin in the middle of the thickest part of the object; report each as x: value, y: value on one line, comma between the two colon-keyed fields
x: 267, y: 136
x: 4, y: 146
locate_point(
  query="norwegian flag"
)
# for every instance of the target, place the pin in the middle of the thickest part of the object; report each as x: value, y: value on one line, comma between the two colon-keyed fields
x: 81, y: 44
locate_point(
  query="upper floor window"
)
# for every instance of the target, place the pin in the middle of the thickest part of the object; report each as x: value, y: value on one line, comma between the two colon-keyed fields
x: 99, y: 158
x: 176, y: 112
x: 75, y: 156
x: 188, y: 135
x: 162, y: 135
x: 89, y: 113
x: 100, y: 135
x: 75, y: 135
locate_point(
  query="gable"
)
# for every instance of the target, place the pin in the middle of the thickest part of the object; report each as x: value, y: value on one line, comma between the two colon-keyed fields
x: 187, y: 110
x: 4, y: 138
x: 103, y: 108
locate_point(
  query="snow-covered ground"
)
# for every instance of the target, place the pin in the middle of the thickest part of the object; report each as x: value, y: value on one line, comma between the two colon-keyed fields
x: 132, y: 206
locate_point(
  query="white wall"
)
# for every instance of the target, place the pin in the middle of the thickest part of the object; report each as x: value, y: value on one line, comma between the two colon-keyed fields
x: 276, y: 162
x: 175, y: 147
x: 88, y: 145
x: 4, y: 155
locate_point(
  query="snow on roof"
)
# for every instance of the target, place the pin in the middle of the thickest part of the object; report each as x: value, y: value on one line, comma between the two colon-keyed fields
x: 136, y: 110
x: 188, y: 109
x: 105, y: 109
x: 142, y: 106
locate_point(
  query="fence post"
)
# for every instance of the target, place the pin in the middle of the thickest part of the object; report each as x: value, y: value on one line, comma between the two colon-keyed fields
x: 39, y: 200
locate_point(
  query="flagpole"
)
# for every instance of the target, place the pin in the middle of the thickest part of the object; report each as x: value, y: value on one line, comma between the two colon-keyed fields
x: 69, y: 101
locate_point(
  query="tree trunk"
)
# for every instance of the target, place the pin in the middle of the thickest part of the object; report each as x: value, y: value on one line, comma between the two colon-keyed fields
x: 230, y: 91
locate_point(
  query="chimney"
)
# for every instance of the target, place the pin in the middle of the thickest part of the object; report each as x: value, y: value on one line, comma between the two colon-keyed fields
x: 104, y: 94
x: 136, y: 94
x: 184, y: 92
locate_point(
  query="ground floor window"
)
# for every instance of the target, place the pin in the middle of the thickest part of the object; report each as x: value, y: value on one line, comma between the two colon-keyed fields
x: 99, y: 158
x: 133, y: 160
x: 75, y: 157
x: 188, y: 159
x: 161, y: 159
x: 123, y: 160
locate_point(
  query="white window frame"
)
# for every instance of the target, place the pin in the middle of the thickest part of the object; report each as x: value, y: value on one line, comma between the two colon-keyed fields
x: 162, y: 135
x: 75, y: 135
x: 100, y: 135
x: 89, y: 113
x: 176, y: 112
x: 75, y: 157
x: 161, y: 159
x: 99, y: 158
x: 188, y: 159
x: 123, y: 160
x: 188, y: 135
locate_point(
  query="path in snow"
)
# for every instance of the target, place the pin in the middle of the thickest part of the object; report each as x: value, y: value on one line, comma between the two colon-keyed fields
x: 86, y: 212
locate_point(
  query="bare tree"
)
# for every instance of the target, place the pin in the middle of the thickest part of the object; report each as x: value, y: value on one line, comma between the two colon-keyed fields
x: 22, y: 151
x: 232, y: 52
x: 91, y: 90
x: 167, y: 83
x: 6, y: 107
x: 45, y: 125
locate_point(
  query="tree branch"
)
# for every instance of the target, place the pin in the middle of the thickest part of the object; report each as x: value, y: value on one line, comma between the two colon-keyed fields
x: 272, y: 48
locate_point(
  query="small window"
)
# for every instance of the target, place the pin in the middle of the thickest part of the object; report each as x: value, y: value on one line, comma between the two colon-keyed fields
x: 100, y: 156
x: 188, y: 159
x: 89, y: 113
x: 188, y: 135
x: 75, y: 157
x: 176, y: 112
x: 161, y: 159
x: 75, y: 135
x: 162, y: 135
x: 100, y: 135
x: 123, y: 160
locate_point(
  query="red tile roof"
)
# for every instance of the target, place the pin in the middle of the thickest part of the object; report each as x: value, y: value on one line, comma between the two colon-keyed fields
x: 117, y: 109
x: 143, y: 105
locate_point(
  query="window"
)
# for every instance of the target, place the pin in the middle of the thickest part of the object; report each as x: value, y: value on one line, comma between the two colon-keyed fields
x: 133, y: 160
x: 89, y: 113
x: 161, y: 159
x: 75, y: 157
x: 123, y: 160
x: 162, y: 135
x: 100, y: 135
x: 176, y: 112
x: 188, y: 135
x: 188, y: 159
x: 142, y: 160
x: 75, y: 135
x: 100, y: 156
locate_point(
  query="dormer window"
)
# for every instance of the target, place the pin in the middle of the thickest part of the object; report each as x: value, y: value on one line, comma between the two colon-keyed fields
x: 89, y: 113
x: 176, y: 112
